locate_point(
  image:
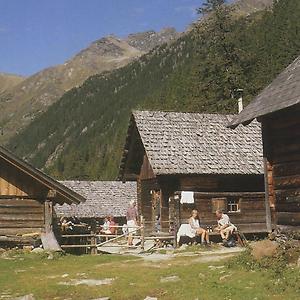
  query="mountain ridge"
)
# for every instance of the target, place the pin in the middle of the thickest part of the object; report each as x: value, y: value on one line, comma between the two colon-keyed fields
x: 25, y: 100
x: 82, y: 135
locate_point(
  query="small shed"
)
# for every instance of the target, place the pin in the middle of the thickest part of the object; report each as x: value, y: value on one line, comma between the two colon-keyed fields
x: 277, y: 107
x: 27, y: 196
x: 183, y: 161
x: 103, y: 198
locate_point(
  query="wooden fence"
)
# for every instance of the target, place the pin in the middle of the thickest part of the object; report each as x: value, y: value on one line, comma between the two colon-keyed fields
x: 91, y: 242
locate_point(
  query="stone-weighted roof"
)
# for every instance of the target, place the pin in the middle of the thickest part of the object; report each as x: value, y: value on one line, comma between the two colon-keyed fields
x: 282, y: 93
x: 194, y: 143
x: 103, y: 198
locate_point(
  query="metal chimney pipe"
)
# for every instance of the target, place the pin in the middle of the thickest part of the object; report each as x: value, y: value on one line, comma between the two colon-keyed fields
x: 240, y: 103
x: 239, y: 95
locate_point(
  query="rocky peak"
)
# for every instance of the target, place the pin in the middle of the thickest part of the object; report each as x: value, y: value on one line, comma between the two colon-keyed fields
x: 145, y: 41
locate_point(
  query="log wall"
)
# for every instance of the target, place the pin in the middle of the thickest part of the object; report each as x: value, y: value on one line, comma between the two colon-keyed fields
x: 251, y: 218
x: 19, y: 216
x: 282, y: 151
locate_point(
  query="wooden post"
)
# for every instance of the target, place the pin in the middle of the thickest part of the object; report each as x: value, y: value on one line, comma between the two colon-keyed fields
x: 142, y: 233
x: 175, y: 232
x: 93, y: 243
x: 267, y: 191
x: 48, y: 212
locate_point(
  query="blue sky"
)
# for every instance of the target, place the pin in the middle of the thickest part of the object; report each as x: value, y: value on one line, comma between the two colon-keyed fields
x: 35, y: 34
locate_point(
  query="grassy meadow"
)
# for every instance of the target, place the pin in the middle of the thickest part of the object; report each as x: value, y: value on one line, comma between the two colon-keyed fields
x: 129, y: 277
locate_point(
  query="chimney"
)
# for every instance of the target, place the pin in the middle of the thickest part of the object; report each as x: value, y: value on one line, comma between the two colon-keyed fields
x: 239, y: 93
x: 240, y: 102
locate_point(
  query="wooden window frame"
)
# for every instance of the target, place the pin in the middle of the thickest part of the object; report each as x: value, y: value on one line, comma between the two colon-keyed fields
x: 239, y: 201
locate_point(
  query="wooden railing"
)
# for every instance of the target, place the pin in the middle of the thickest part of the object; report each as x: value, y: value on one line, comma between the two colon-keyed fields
x: 143, y: 232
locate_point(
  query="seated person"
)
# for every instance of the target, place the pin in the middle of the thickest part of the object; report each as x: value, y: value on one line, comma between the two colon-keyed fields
x: 65, y: 224
x: 196, y: 229
x: 105, y: 229
x: 225, y: 227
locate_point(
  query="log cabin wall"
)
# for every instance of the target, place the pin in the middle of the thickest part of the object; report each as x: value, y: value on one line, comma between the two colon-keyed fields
x: 247, y: 189
x: 21, y: 205
x: 222, y: 183
x: 281, y: 133
x: 250, y: 216
x: 215, y: 191
x: 20, y: 216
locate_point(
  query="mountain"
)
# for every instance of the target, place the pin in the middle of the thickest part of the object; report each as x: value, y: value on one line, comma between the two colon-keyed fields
x: 250, y: 6
x: 7, y: 81
x: 24, y: 101
x: 82, y: 135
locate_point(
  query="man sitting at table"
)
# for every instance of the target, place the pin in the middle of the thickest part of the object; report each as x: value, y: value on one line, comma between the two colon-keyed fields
x: 225, y: 227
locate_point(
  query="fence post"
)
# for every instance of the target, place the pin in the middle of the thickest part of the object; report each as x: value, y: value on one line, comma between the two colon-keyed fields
x: 175, y: 232
x: 93, y: 243
x: 142, y: 233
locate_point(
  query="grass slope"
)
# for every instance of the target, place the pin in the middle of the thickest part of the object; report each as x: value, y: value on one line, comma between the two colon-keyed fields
x: 82, y: 135
x: 135, y: 278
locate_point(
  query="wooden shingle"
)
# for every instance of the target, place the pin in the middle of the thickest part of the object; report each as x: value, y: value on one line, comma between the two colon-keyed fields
x: 103, y: 198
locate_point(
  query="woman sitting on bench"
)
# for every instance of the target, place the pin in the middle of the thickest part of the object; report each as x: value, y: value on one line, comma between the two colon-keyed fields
x: 196, y: 229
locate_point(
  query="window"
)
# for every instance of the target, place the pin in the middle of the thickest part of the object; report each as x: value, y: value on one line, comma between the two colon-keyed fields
x: 233, y: 205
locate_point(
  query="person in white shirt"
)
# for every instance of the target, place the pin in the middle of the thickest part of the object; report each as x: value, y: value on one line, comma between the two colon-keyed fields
x: 196, y: 229
x: 225, y: 227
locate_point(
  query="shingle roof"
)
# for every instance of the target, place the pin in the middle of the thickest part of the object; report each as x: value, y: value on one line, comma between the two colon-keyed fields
x: 194, y: 143
x: 64, y: 194
x: 103, y: 198
x: 282, y: 93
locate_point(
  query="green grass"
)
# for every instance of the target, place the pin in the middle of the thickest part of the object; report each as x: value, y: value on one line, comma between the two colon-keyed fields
x: 136, y: 278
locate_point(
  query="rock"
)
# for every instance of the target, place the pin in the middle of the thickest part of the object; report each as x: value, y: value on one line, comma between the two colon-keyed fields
x: 26, y: 297
x: 150, y: 298
x: 37, y: 250
x: 222, y: 278
x: 89, y: 282
x: 264, y: 248
x: 169, y: 279
x: 102, y: 298
x: 50, y: 256
x: 298, y: 262
x: 27, y: 248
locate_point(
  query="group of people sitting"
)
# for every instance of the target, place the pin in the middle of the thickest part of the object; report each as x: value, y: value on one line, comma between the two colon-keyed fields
x: 109, y: 226
x: 224, y: 227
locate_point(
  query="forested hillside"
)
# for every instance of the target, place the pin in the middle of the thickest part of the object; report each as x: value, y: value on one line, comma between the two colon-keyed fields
x: 82, y: 135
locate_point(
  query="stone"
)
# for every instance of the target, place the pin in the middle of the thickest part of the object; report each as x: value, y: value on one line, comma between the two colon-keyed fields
x: 298, y: 262
x: 173, y: 278
x: 26, y: 297
x: 89, y: 282
x: 37, y: 250
x: 150, y: 298
x: 222, y: 278
x: 263, y: 248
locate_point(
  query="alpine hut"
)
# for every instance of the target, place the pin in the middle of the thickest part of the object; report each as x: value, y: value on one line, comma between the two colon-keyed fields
x: 27, y: 196
x: 183, y: 161
x: 277, y: 107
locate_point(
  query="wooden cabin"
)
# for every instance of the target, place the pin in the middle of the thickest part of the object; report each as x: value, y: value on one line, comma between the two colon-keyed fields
x: 277, y: 107
x: 103, y: 198
x: 27, y: 197
x: 170, y: 153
